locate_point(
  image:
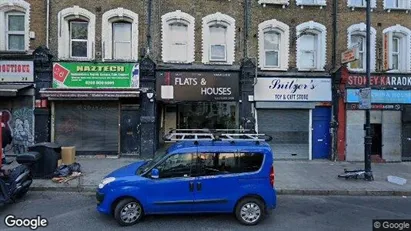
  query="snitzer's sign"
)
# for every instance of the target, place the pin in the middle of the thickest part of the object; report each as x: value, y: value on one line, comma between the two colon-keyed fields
x: 380, y: 81
x: 197, y: 86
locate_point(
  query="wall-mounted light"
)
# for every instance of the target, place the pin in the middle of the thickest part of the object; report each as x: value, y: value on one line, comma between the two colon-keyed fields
x: 150, y: 95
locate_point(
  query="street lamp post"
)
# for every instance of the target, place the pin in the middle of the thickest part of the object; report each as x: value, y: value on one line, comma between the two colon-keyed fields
x: 368, y: 138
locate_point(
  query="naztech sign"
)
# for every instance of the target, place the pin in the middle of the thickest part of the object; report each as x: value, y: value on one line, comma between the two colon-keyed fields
x: 197, y: 86
x: 96, y: 75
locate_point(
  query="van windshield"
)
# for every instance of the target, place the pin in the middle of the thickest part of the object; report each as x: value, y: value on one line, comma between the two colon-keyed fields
x: 149, y: 164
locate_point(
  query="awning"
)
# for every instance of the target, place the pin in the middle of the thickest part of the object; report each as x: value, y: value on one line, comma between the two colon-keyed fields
x: 70, y: 93
x: 12, y: 90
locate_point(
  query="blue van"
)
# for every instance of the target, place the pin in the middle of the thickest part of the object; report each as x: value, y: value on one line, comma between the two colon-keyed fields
x: 194, y: 177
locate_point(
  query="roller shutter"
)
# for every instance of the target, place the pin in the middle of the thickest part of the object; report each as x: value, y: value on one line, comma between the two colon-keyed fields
x: 90, y: 126
x: 289, y: 129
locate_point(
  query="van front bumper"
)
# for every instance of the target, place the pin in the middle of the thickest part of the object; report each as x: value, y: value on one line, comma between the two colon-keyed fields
x: 101, y: 206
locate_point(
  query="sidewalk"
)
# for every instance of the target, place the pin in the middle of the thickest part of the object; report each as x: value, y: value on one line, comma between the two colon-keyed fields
x: 292, y: 177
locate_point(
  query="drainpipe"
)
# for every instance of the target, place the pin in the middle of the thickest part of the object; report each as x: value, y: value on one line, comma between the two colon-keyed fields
x: 246, y: 26
x: 335, y: 87
x: 334, y: 55
x: 47, y: 23
x: 149, y: 9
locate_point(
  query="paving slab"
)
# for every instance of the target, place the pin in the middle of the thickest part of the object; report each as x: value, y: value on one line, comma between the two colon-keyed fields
x: 291, y: 177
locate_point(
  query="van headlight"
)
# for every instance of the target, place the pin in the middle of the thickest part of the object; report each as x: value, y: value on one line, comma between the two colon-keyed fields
x: 106, y: 181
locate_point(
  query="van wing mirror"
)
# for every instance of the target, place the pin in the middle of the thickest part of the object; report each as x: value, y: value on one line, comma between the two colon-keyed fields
x: 155, y: 173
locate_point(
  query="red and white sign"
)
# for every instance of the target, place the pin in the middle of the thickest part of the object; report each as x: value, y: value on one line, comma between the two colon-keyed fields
x: 349, y: 55
x: 16, y: 71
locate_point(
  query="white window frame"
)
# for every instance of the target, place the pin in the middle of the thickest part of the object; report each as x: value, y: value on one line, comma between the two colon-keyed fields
x: 404, y: 34
x: 12, y: 7
x: 64, y: 18
x: 321, y: 44
x: 406, y: 7
x: 284, y: 53
x: 352, y: 6
x: 360, y: 29
x: 320, y: 3
x: 284, y: 3
x: 75, y: 40
x: 181, y: 17
x: 219, y: 19
x: 113, y: 16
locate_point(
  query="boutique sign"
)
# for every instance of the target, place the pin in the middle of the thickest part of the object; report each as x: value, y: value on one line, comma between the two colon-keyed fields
x: 197, y: 86
x: 293, y: 89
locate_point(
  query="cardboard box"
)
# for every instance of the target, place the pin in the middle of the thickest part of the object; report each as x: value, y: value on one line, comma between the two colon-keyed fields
x: 68, y: 155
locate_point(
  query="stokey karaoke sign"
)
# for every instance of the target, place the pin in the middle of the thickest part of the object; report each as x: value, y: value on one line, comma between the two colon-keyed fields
x: 197, y: 86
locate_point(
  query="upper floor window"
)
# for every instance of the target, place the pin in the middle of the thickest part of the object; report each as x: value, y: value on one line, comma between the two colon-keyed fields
x: 178, y: 37
x: 361, y: 3
x: 76, y: 31
x: 311, y: 46
x: 120, y: 35
x: 320, y: 3
x: 397, y: 4
x: 397, y: 48
x: 218, y: 39
x: 273, y: 43
x: 15, y: 26
x: 357, y: 38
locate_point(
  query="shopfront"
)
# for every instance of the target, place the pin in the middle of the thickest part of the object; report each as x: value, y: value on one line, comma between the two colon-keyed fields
x: 95, y: 107
x: 296, y: 112
x: 390, y: 117
x: 17, y: 103
x: 196, y: 100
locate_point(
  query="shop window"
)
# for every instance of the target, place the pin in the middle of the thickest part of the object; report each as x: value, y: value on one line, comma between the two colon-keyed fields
x: 396, y: 40
x: 357, y: 38
x: 76, y: 27
x: 218, y: 39
x: 311, y: 46
x: 14, y: 26
x: 120, y: 35
x: 273, y: 45
x: 177, y: 37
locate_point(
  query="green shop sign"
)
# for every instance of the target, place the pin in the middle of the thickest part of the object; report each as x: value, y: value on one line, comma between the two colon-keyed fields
x: 96, y: 75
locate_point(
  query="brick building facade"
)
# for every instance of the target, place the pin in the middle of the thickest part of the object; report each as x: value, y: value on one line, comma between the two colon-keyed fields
x: 390, y: 75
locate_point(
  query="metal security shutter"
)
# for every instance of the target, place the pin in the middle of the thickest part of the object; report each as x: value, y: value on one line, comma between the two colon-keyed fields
x: 355, y: 135
x: 90, y: 126
x: 289, y: 129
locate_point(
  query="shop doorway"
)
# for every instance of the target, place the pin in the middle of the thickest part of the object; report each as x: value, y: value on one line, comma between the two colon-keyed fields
x: 376, y: 133
x: 130, y: 130
x: 321, y: 132
x: 211, y: 115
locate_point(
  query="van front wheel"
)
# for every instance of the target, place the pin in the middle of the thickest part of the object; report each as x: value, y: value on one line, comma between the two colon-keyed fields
x: 128, y: 212
x: 249, y: 211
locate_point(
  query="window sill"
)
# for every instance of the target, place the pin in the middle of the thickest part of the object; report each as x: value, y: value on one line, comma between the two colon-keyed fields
x: 311, y: 70
x: 397, y: 9
x: 177, y: 62
x: 216, y: 63
x: 119, y: 60
x: 273, y: 69
x: 361, y: 7
x: 398, y: 71
x: 75, y: 59
x: 312, y: 5
x: 12, y: 52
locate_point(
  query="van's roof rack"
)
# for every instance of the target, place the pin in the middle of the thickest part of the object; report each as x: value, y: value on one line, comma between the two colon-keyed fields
x: 176, y: 135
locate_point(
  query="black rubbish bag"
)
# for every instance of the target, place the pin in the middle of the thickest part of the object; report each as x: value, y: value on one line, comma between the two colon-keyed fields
x: 62, y: 171
x: 75, y: 167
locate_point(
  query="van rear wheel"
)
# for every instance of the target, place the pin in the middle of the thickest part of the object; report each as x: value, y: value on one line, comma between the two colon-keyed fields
x: 128, y: 212
x: 249, y: 211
